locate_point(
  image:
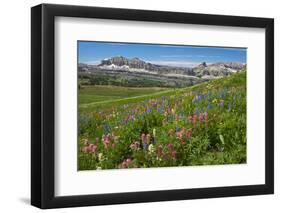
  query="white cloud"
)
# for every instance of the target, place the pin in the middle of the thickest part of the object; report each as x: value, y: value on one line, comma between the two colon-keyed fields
x: 94, y: 62
x: 176, y: 63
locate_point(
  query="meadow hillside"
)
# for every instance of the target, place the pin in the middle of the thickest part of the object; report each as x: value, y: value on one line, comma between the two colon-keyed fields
x: 121, y: 127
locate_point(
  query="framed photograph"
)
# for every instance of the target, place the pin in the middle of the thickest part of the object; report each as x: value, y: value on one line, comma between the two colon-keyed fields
x: 139, y: 106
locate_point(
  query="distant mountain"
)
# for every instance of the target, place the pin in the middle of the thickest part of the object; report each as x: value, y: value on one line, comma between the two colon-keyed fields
x: 217, y: 69
x: 121, y: 70
x: 136, y: 64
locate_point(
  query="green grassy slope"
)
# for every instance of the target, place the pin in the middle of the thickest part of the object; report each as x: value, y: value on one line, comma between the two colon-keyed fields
x: 200, y: 125
x: 96, y: 94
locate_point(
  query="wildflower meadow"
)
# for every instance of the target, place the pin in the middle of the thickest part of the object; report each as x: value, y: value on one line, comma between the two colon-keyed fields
x: 203, y: 124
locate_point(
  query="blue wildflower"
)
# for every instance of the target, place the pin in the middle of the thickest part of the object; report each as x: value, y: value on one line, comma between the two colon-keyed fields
x: 178, y: 129
x: 145, y: 146
x: 197, y: 112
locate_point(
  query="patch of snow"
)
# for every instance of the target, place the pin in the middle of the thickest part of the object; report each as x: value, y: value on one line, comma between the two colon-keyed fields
x: 180, y: 75
x: 232, y: 70
x: 126, y: 68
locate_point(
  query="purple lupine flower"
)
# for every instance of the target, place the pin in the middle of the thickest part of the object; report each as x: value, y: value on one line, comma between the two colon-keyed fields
x: 145, y: 146
x: 197, y: 111
x: 221, y: 104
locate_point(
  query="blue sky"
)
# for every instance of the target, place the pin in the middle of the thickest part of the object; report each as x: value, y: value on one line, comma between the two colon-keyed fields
x: 185, y: 56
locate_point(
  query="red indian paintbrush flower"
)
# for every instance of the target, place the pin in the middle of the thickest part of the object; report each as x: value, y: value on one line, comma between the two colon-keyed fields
x: 171, y: 146
x: 201, y: 118
x: 174, y: 155
x: 159, y: 151
x: 106, y: 140
x: 126, y: 163
x: 179, y: 134
x: 90, y: 148
x: 189, y: 133
x: 194, y: 120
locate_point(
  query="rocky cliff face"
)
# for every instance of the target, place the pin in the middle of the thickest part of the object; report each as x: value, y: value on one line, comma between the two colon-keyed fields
x: 136, y: 64
x: 217, y: 69
x: 120, y: 61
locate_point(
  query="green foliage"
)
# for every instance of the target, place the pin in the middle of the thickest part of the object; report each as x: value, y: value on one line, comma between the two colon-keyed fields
x: 200, y: 125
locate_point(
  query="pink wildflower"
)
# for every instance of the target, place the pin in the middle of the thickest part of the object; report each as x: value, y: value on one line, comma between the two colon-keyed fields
x: 194, y: 120
x: 179, y: 135
x: 90, y: 148
x: 159, y: 151
x: 105, y: 140
x: 189, y: 133
x: 174, y: 154
x: 145, y: 139
x: 206, y: 116
x: 126, y: 163
x: 171, y: 146
x: 148, y: 138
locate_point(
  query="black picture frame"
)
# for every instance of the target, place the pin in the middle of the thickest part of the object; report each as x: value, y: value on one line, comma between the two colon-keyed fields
x: 43, y: 102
